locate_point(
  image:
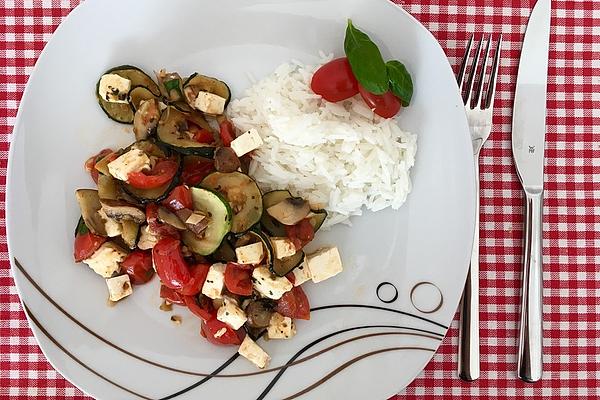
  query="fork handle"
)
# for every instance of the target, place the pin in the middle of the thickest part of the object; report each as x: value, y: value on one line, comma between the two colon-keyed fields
x: 529, y: 363
x: 468, y: 345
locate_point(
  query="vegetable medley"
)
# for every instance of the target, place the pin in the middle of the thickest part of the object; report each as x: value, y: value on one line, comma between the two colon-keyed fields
x: 179, y: 202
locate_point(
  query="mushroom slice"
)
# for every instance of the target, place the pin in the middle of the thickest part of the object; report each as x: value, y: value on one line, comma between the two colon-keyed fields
x: 226, y: 160
x: 168, y: 217
x: 89, y: 203
x: 290, y: 211
x: 122, y: 211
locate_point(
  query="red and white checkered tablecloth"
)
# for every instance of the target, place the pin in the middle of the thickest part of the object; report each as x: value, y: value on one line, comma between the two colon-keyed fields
x: 572, y: 205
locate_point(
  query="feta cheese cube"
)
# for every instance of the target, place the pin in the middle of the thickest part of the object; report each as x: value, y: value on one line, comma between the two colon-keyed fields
x: 147, y: 238
x: 114, y: 88
x: 253, y: 353
x: 210, y: 103
x: 113, y: 228
x: 119, y: 287
x: 301, y: 274
x: 231, y: 314
x: 283, y: 247
x: 105, y: 261
x: 269, y: 285
x: 280, y: 327
x: 215, y: 280
x: 246, y: 142
x: 135, y: 160
x: 324, y: 264
x: 250, y: 254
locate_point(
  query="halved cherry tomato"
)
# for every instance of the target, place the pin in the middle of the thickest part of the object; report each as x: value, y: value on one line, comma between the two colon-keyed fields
x: 204, y: 136
x: 170, y: 265
x: 179, y: 198
x: 294, y: 304
x: 171, y: 295
x: 201, y: 306
x: 335, y: 81
x: 86, y: 244
x: 195, y: 169
x: 385, y: 105
x: 238, y: 279
x: 157, y: 227
x: 301, y: 233
x: 214, y: 327
x: 227, y: 132
x: 161, y: 174
x: 138, y: 265
x: 194, y: 285
x: 91, y: 163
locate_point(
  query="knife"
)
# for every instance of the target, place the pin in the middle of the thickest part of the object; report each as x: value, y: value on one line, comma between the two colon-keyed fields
x: 528, y: 135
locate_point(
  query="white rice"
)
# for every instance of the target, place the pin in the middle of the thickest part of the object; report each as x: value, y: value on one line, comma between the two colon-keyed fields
x: 338, y: 156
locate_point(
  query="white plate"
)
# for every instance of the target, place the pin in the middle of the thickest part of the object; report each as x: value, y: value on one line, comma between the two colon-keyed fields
x: 112, y: 353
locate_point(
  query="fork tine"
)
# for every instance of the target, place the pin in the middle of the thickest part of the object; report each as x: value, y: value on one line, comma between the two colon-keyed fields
x: 472, y: 72
x: 491, y: 92
x: 463, y: 66
x: 480, y: 84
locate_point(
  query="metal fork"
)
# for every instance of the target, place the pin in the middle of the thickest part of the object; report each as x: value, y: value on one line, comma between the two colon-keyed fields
x: 479, y: 108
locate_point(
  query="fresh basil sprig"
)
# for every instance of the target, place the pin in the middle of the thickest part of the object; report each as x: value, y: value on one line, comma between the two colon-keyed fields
x: 371, y: 71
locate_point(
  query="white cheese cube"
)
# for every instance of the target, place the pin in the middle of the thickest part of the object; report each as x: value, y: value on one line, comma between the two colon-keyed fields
x: 231, y: 314
x: 269, y: 285
x: 119, y: 287
x: 114, y: 88
x: 195, y: 218
x: 215, y: 280
x: 147, y: 238
x: 105, y: 261
x: 253, y: 353
x: 246, y: 142
x: 280, y: 327
x: 324, y: 264
x: 301, y: 274
x: 210, y: 103
x: 135, y: 160
x: 113, y: 228
x: 250, y: 254
x: 283, y: 247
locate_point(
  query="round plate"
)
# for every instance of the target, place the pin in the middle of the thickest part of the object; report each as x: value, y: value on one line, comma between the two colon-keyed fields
x: 357, y: 345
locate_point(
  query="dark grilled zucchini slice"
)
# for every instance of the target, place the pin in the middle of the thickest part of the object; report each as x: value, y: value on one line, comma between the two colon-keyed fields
x: 270, y: 224
x: 200, y: 83
x: 171, y: 132
x: 287, y: 264
x: 139, y: 93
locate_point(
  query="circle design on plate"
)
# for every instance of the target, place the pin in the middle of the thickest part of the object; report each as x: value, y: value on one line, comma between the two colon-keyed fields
x: 426, y: 289
x: 383, y: 285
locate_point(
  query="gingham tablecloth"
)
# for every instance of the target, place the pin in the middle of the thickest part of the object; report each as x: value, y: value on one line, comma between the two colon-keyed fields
x: 572, y: 205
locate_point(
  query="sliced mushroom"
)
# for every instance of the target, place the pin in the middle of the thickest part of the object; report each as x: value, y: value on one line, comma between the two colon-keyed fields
x: 89, y: 203
x: 290, y: 211
x: 146, y: 119
x: 259, y: 313
x: 226, y: 160
x: 120, y: 210
x: 168, y: 217
x: 129, y: 233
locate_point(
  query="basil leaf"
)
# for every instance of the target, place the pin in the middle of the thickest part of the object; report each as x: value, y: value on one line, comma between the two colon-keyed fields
x: 366, y: 61
x: 400, y: 81
x: 82, y: 228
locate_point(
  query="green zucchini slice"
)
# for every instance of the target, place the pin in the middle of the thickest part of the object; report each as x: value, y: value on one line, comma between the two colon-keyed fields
x: 270, y: 224
x: 213, y: 204
x: 200, y: 83
x: 287, y: 264
x: 171, y: 132
x: 316, y: 218
x: 243, y: 196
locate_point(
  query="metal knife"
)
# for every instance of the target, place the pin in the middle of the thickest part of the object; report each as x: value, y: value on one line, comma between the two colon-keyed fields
x: 528, y: 135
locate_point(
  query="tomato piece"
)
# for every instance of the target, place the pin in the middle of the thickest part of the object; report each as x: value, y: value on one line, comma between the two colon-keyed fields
x: 194, y: 285
x: 335, y: 81
x: 204, y: 136
x: 86, y: 245
x: 238, y: 279
x: 138, y: 265
x: 157, y: 227
x: 91, y: 163
x: 294, y: 304
x: 171, y: 295
x: 291, y: 277
x: 170, y: 265
x: 210, y: 328
x: 385, y: 105
x: 201, y: 306
x: 179, y: 198
x: 301, y: 233
x: 163, y: 172
x: 226, y: 132
x: 196, y: 169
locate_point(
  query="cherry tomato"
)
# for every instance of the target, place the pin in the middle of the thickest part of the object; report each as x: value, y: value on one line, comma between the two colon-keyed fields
x: 227, y: 132
x: 157, y: 227
x: 179, y: 198
x: 204, y: 136
x: 86, y: 244
x: 214, y: 327
x: 171, y: 295
x: 138, y: 265
x: 161, y: 174
x: 170, y: 265
x: 195, y: 169
x: 385, y: 105
x: 238, y: 279
x: 91, y: 163
x: 301, y: 233
x: 294, y: 304
x: 201, y: 306
x: 335, y: 81
x: 194, y: 285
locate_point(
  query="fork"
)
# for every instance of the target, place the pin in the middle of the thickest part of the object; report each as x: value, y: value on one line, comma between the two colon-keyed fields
x: 479, y: 109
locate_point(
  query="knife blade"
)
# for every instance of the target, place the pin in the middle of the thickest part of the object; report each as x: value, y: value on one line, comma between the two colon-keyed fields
x: 528, y: 138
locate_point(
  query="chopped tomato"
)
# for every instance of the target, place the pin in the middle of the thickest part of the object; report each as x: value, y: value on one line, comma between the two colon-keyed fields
x: 170, y: 265
x: 195, y: 169
x: 301, y: 233
x: 201, y: 306
x: 138, y: 265
x: 157, y: 227
x: 294, y: 304
x: 218, y: 332
x: 171, y: 295
x: 238, y: 279
x: 86, y: 243
x: 163, y: 172
x: 91, y: 163
x: 204, y: 136
x: 385, y: 105
x: 194, y: 285
x: 227, y: 132
x: 179, y: 198
x: 335, y: 81
x: 291, y: 277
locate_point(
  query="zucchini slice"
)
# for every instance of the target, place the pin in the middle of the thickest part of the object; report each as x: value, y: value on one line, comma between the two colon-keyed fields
x: 200, y: 83
x: 171, y: 132
x: 316, y: 218
x: 243, y: 195
x: 89, y: 203
x: 270, y: 224
x: 145, y: 196
x: 108, y: 188
x: 212, y: 204
x: 139, y: 93
x: 224, y: 253
x: 287, y: 264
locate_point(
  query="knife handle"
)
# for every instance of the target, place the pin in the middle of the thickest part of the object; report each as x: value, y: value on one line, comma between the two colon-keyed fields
x: 529, y: 363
